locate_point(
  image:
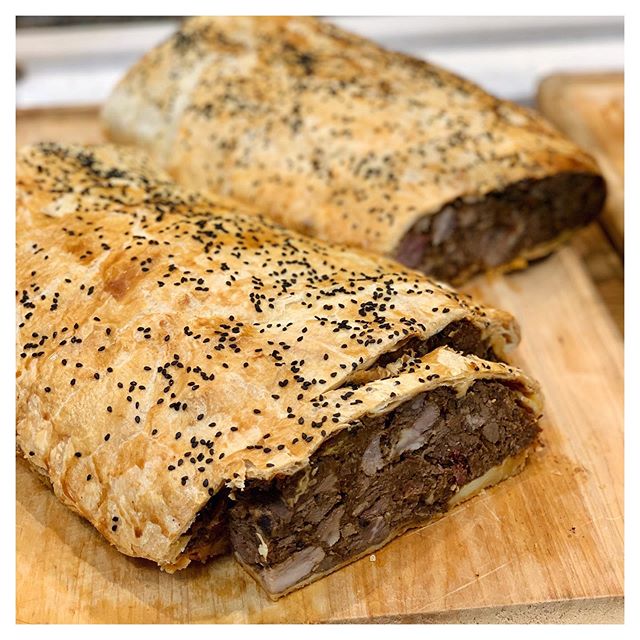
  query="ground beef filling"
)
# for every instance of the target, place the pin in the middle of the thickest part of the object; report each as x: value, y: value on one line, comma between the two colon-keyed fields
x: 369, y: 482
x: 467, y: 237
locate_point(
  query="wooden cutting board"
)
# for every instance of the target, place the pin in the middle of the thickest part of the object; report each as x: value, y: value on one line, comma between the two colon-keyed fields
x: 589, y: 108
x: 545, y: 546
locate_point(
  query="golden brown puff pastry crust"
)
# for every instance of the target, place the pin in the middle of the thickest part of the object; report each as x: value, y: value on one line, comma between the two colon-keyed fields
x: 327, y: 132
x: 170, y: 344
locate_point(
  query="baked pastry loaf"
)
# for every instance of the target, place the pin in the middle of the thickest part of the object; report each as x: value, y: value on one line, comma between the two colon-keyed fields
x: 338, y: 138
x: 176, y: 355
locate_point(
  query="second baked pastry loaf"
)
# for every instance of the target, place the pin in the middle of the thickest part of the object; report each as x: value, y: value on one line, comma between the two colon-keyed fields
x: 340, y: 139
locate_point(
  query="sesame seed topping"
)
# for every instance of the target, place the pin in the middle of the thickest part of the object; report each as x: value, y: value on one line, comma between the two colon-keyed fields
x: 308, y: 316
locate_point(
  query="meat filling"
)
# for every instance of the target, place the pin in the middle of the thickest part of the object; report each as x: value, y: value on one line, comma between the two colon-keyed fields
x: 210, y: 528
x: 209, y: 533
x: 462, y: 335
x: 466, y: 237
x: 375, y: 480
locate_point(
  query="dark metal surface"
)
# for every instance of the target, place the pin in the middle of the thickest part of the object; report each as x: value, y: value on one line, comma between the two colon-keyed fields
x: 60, y: 21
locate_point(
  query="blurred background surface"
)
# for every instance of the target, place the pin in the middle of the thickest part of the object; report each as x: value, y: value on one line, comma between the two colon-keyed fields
x: 76, y: 60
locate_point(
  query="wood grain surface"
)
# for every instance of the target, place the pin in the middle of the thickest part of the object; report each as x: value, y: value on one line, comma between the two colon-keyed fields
x: 545, y: 546
x: 590, y: 109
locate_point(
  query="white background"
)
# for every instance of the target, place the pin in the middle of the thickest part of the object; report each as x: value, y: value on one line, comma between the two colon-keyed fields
x: 506, y: 55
